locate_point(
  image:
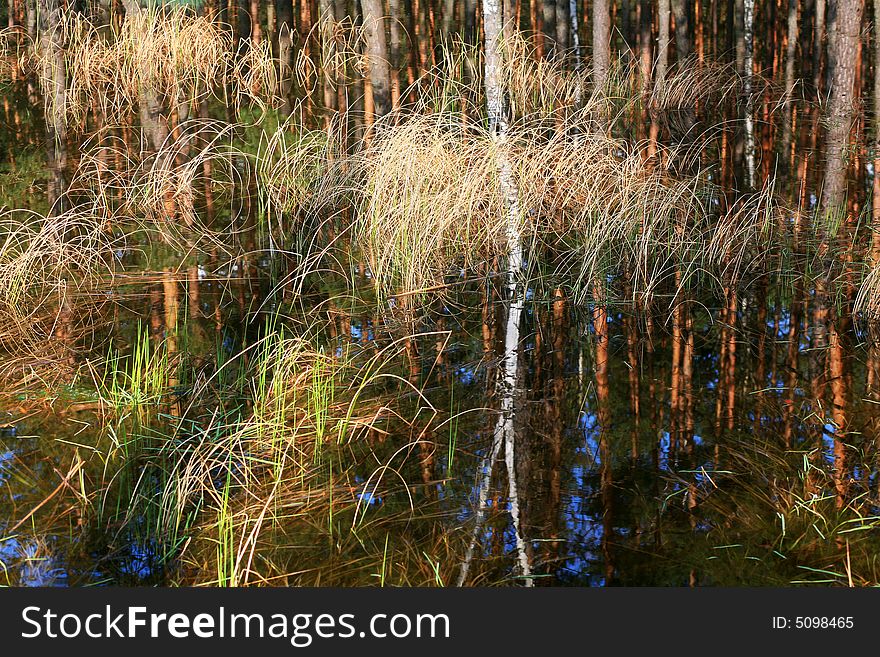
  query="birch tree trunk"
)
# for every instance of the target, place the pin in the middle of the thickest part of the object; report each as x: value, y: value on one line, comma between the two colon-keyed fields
x: 504, y: 435
x: 575, y: 37
x: 748, y: 65
x: 601, y: 43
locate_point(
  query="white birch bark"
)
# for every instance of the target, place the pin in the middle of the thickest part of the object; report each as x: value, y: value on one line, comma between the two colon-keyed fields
x: 504, y: 433
x: 748, y: 64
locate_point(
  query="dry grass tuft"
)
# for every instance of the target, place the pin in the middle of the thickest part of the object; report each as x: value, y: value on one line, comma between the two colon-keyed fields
x: 181, y: 56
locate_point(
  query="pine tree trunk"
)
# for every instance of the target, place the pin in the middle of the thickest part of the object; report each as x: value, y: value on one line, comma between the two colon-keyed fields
x: 601, y: 42
x: 790, y: 50
x: 284, y: 30
x: 843, y: 49
x: 54, y: 74
x: 377, y: 56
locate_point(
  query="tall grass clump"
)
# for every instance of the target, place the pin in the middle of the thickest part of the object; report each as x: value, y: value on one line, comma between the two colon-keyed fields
x: 169, y: 50
x: 47, y: 267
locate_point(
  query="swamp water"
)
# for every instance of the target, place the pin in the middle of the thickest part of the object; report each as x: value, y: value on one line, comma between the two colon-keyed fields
x: 726, y: 472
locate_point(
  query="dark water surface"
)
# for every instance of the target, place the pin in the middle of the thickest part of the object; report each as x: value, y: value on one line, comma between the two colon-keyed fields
x: 626, y: 478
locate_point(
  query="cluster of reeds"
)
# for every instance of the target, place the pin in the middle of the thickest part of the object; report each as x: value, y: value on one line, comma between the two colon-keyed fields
x: 429, y: 203
x: 787, y: 507
x: 46, y: 265
x: 340, y: 51
x: 424, y: 181
x: 169, y: 51
x: 231, y: 482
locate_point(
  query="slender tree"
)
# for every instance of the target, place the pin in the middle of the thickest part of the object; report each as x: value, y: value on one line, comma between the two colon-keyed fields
x: 682, y: 29
x: 843, y: 50
x: 875, y: 196
x: 601, y: 42
x: 377, y: 55
x: 748, y: 72
x: 153, y: 120
x: 54, y: 75
x: 504, y: 435
x: 788, y: 107
x: 284, y: 30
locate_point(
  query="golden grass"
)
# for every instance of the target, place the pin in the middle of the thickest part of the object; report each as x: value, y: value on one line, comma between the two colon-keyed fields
x: 177, y: 54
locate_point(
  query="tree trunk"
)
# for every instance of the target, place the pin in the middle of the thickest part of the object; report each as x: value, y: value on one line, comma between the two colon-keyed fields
x: 748, y: 65
x: 645, y: 36
x: 377, y: 56
x: 818, y: 43
x: 843, y: 48
x: 663, y: 16
x: 601, y: 43
x: 154, y: 124
x: 256, y: 30
x: 563, y: 24
x: 54, y: 74
x: 788, y: 107
x: 448, y: 19
x: 575, y: 36
x: 284, y: 29
x: 507, y: 380
x: 875, y: 196
x: 682, y: 29
x: 394, y: 30
x: 549, y: 25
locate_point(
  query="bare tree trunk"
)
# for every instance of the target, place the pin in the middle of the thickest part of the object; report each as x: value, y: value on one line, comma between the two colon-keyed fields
x: 748, y: 65
x: 256, y: 30
x: 54, y: 74
x: 875, y: 196
x: 549, y: 24
x: 739, y: 34
x: 663, y: 17
x: 601, y: 42
x: 843, y: 48
x: 395, y: 63
x: 818, y: 49
x: 563, y: 24
x: 448, y: 18
x: 645, y: 37
x: 284, y: 29
x: 788, y: 107
x: 575, y: 37
x: 154, y: 124
x: 504, y: 434
x: 377, y: 56
x: 682, y: 29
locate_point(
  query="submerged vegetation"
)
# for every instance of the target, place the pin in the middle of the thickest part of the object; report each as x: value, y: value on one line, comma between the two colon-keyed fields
x: 294, y: 304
